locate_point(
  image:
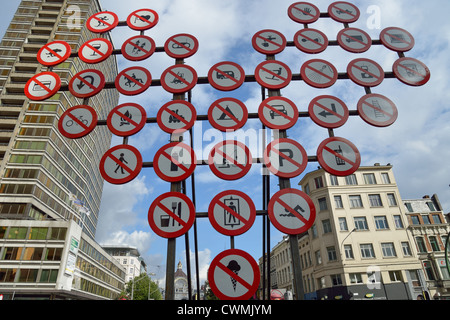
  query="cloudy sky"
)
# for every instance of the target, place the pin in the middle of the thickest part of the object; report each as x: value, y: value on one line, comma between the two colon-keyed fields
x: 417, y: 144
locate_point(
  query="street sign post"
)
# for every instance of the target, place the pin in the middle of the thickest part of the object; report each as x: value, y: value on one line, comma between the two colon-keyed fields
x: 397, y: 39
x: 354, y: 40
x: 121, y: 164
x: 285, y: 158
x: 87, y: 83
x: 365, y: 72
x: 411, y: 71
x: 179, y: 79
x: 102, y: 22
x: 176, y: 116
x: 127, y: 119
x: 175, y: 162
x: 54, y: 53
x: 319, y: 73
x: 311, y: 40
x: 278, y: 113
x: 77, y: 122
x: 269, y: 42
x: 42, y: 86
x: 133, y: 81
x: 344, y: 12
x: 234, y: 275
x: 142, y: 19
x: 232, y: 212
x: 95, y: 50
x: 181, y: 46
x: 171, y: 215
x: 138, y: 48
x: 328, y: 111
x: 230, y: 160
x: 227, y: 114
x: 291, y: 211
x: 377, y: 110
x: 226, y: 76
x: 303, y: 12
x: 273, y: 74
x: 338, y: 156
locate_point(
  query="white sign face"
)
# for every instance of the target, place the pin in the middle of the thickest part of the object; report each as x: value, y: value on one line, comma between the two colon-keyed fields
x: 127, y: 119
x: 42, y: 86
x: 95, y: 50
x: 175, y: 162
x: 181, y: 46
x: 138, y: 48
x: 230, y: 160
x: 273, y: 74
x: 226, y: 76
x: 397, y: 39
x: 54, y: 53
x: 344, y: 12
x: 77, y: 122
x: 304, y: 12
x: 311, y: 40
x: 354, y: 40
x: 338, y: 156
x: 102, y: 22
x: 269, y: 42
x: 176, y: 116
x: 365, y: 72
x: 87, y: 83
x: 121, y: 164
x: 328, y: 112
x: 285, y: 158
x: 133, y: 81
x: 377, y: 110
x: 179, y: 79
x: 278, y: 113
x: 142, y: 19
x: 319, y: 73
x: 411, y: 71
x: 227, y: 114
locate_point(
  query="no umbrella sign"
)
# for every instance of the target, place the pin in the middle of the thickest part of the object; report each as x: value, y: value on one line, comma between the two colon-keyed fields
x: 176, y: 116
x: 121, y: 164
x: 344, y: 12
x: 54, y: 53
x: 127, y: 119
x: 377, y: 110
x: 234, y: 275
x: 291, y: 211
x: 142, y: 19
x: 411, y: 71
x: 273, y: 74
x: 365, y: 72
x: 175, y: 162
x: 227, y: 114
x: 77, y: 122
x: 138, y: 48
x: 87, y: 83
x: 42, y: 86
x: 232, y: 213
x: 230, y: 160
x: 328, y: 111
x: 303, y: 12
x: 278, y: 113
x: 338, y: 156
x: 133, y: 81
x: 226, y: 76
x: 319, y: 73
x: 285, y: 158
x: 96, y: 50
x: 181, y: 46
x: 171, y: 215
x: 179, y: 79
x: 102, y: 22
x: 269, y: 42
x: 354, y: 40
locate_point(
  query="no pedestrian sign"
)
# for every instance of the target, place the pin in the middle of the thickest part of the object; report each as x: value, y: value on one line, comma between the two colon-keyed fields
x: 102, y: 22
x: 121, y: 164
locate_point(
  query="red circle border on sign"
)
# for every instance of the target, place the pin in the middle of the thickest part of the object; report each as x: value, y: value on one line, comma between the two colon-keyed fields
x: 49, y: 94
x: 151, y: 25
x: 61, y: 59
x: 84, y: 133
x: 145, y: 56
x: 188, y: 126
x: 269, y: 52
x: 368, y: 119
x: 93, y: 93
x: 275, y: 171
x: 144, y: 87
x: 102, y: 58
x: 112, y: 26
x: 187, y: 173
x: 236, y: 176
x: 222, y: 88
x: 136, y: 171
x: 361, y: 83
x: 183, y: 90
x: 181, y: 56
x: 238, y: 125
x: 325, y: 124
x: 131, y: 132
x: 331, y: 170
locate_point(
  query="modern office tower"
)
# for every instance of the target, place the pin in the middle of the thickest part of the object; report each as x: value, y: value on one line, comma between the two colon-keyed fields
x: 50, y: 186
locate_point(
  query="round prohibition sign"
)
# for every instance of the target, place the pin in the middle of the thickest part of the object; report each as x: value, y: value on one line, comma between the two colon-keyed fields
x: 77, y: 122
x: 171, y: 215
x: 273, y: 74
x: 230, y: 160
x: 42, y: 86
x: 87, y: 83
x: 344, y: 12
x: 338, y: 156
x: 397, y: 39
x: 278, y: 113
x: 127, y: 119
x: 269, y: 42
x: 232, y: 212
x: 411, y: 71
x: 328, y: 111
x: 285, y: 158
x: 175, y: 162
x: 303, y: 12
x: 377, y: 110
x: 102, y: 22
x: 176, y: 116
x: 234, y: 275
x: 365, y: 72
x: 311, y: 40
x: 142, y: 19
x: 138, y: 48
x: 54, y: 53
x: 121, y: 164
x: 291, y: 211
x: 226, y: 76
x: 181, y: 46
x: 133, y: 81
x: 354, y: 40
x: 96, y: 50
x: 319, y: 73
x: 227, y: 114
x: 179, y: 79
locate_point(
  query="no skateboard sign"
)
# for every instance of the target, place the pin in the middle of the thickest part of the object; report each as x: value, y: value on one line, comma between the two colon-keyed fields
x: 171, y: 215
x: 234, y: 275
x: 230, y: 160
x: 121, y: 164
x: 292, y: 211
x: 232, y: 212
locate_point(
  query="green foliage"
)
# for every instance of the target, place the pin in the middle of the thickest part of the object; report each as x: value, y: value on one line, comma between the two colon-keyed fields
x: 141, y: 289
